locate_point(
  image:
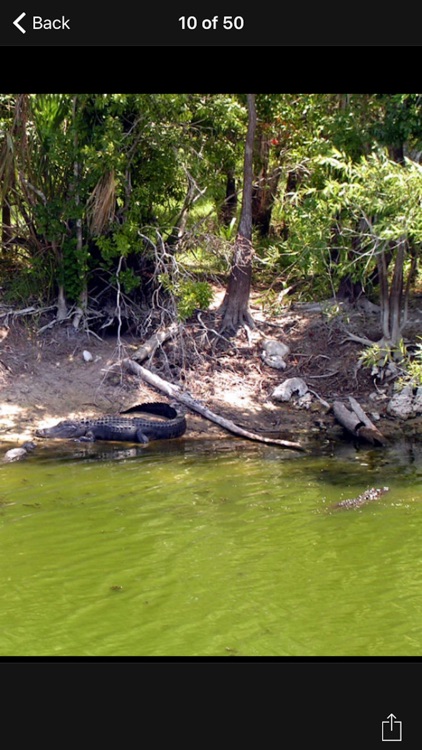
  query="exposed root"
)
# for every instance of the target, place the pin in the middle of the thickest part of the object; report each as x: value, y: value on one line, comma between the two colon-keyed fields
x: 363, y: 340
x: 235, y: 319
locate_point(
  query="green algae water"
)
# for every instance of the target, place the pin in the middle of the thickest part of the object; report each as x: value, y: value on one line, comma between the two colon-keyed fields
x: 209, y: 549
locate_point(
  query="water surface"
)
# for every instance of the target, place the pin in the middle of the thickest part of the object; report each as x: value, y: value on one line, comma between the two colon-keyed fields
x: 181, y: 548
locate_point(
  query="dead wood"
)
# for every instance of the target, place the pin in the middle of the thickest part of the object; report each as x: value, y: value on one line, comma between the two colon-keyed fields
x: 173, y: 391
x: 357, y: 422
x: 150, y: 346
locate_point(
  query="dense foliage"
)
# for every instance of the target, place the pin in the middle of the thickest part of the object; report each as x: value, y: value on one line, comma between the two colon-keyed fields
x: 139, y: 193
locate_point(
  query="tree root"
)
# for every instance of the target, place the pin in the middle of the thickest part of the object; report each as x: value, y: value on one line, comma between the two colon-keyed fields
x: 235, y: 319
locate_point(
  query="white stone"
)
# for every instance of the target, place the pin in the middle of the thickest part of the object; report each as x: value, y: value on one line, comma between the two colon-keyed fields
x: 417, y: 402
x: 402, y: 404
x: 304, y: 402
x: 277, y: 362
x: 274, y: 353
x: 87, y: 356
x: 285, y: 390
x: 275, y: 348
x: 14, y: 454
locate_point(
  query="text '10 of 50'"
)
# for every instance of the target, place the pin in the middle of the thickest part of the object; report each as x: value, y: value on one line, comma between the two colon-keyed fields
x: 190, y: 23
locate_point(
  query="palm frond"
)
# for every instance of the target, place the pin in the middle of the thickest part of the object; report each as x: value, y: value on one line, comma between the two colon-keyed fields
x: 102, y: 203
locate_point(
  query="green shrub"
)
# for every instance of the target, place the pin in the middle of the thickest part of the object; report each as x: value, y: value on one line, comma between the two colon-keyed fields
x: 189, y: 295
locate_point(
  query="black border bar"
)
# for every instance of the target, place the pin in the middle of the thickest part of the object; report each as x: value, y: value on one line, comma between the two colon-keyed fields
x: 197, y: 25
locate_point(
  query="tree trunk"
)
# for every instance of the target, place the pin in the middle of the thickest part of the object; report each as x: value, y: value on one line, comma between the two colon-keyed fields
x: 265, y: 189
x: 395, y: 300
x: 396, y: 153
x: 235, y: 306
x: 62, y: 310
x: 61, y: 304
x: 81, y: 308
x: 5, y: 228
x: 292, y: 183
x: 264, y: 201
x: 228, y: 209
x: 178, y: 229
x: 80, y: 311
x: 193, y: 194
x: 348, y: 289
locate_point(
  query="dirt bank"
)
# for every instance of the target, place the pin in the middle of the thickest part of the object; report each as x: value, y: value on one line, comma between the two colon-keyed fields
x: 46, y: 377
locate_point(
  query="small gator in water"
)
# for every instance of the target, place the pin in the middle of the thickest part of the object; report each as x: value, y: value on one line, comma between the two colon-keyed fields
x: 128, y: 429
x: 366, y: 497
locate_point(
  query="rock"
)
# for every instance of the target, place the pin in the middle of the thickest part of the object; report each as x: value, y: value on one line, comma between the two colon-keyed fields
x: 87, y: 356
x: 378, y: 396
x: 273, y: 347
x: 406, y: 403
x: 274, y: 353
x: 305, y: 401
x: 285, y: 390
x: 277, y: 362
x: 15, y: 454
x: 417, y: 402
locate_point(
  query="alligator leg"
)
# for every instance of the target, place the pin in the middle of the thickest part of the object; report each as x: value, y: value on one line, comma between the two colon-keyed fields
x: 141, y: 438
x: 88, y: 438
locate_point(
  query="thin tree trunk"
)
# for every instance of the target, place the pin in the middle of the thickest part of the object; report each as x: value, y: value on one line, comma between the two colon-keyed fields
x: 396, y: 295
x: 235, y: 306
x: 193, y: 194
x: 265, y: 188
x: 383, y: 285
x: 228, y: 209
x: 393, y: 301
x: 61, y: 297
x: 5, y: 226
x: 292, y: 182
x: 61, y: 304
x: 83, y: 296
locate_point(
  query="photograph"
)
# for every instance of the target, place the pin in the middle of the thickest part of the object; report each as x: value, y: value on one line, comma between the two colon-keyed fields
x: 211, y: 365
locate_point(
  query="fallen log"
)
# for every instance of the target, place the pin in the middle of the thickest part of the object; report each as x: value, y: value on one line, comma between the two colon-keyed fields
x: 357, y: 422
x: 173, y: 391
x: 148, y: 349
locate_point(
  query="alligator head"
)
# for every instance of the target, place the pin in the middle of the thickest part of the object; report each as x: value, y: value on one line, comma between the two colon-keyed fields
x: 65, y: 429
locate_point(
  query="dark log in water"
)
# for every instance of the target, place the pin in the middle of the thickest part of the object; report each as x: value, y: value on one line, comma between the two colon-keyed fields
x: 357, y: 423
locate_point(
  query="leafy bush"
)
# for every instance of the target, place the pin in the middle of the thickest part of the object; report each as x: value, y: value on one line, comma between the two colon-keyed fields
x: 189, y: 294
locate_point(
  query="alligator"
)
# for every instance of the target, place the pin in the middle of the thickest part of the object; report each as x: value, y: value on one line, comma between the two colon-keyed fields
x: 366, y: 497
x: 128, y: 429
